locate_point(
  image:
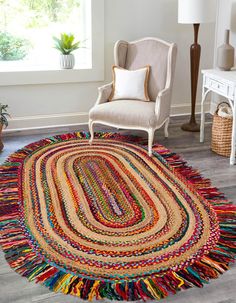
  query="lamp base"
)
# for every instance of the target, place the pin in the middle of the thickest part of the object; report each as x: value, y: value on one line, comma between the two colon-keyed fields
x: 191, y: 127
x: 195, y: 53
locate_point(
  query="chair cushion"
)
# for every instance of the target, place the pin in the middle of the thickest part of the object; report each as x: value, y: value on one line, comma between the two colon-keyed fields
x: 126, y: 113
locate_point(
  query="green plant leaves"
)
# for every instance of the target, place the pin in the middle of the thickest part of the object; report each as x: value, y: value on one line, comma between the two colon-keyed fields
x: 65, y: 44
x: 4, y: 114
x: 13, y: 47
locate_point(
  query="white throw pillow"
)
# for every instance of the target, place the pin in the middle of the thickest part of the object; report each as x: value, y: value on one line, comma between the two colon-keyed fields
x: 130, y: 84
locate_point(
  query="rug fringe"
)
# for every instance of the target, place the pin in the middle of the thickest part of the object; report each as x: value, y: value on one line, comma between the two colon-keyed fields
x: 22, y: 258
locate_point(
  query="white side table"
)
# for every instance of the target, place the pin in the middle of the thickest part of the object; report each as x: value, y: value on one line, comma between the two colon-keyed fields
x: 224, y: 84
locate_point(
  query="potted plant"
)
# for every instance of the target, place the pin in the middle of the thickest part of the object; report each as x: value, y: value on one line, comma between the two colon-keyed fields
x: 66, y: 45
x: 3, y: 121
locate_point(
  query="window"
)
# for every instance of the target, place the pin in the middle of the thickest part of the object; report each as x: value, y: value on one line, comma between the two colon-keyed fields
x: 27, y: 28
x: 31, y: 25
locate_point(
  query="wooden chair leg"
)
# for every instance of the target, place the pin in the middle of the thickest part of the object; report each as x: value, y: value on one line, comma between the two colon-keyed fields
x: 91, y: 130
x: 150, y: 140
x: 166, y: 128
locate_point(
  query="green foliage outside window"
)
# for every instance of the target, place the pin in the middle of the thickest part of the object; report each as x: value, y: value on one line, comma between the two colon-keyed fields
x: 12, y: 47
x: 39, y: 12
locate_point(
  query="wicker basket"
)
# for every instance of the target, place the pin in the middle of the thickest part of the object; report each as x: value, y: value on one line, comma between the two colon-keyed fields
x: 221, y: 134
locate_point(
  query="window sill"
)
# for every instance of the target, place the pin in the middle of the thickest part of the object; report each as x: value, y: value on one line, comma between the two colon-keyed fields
x: 52, y: 76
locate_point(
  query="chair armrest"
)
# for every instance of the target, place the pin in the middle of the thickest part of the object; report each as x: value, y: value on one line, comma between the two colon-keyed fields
x: 163, y: 102
x: 104, y: 93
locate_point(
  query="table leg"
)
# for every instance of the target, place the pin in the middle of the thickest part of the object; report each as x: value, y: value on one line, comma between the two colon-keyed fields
x: 232, y: 156
x: 202, y: 115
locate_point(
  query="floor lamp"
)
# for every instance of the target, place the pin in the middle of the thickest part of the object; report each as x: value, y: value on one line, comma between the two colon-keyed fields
x: 195, y: 12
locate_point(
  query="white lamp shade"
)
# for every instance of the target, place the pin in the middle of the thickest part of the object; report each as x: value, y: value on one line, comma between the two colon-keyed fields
x: 196, y: 11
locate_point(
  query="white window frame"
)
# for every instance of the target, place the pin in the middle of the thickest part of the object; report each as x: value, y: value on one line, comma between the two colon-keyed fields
x: 96, y: 73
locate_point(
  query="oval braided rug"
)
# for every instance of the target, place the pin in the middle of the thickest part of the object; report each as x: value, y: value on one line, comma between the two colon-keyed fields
x: 108, y: 221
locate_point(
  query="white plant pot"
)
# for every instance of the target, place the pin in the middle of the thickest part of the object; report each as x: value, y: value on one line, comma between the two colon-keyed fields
x: 67, y: 61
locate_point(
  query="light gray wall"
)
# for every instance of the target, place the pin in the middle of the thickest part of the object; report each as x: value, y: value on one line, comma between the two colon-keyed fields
x: 32, y: 106
x: 226, y: 19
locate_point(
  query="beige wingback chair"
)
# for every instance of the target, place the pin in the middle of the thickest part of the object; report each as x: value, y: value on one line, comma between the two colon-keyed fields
x: 133, y: 114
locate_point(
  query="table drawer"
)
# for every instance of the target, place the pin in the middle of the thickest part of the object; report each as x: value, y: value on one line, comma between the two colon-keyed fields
x: 217, y: 86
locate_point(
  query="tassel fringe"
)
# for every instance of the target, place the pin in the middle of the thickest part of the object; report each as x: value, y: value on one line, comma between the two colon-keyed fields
x: 24, y: 260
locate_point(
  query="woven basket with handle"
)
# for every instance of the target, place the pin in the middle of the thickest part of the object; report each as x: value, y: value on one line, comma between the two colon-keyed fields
x: 221, y: 133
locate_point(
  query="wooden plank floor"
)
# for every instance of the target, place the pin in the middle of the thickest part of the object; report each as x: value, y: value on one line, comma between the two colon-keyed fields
x: 15, y: 289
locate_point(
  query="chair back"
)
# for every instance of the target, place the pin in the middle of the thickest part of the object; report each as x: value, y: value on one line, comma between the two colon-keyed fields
x: 160, y: 55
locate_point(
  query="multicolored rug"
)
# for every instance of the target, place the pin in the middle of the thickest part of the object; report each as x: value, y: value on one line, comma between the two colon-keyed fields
x: 108, y: 221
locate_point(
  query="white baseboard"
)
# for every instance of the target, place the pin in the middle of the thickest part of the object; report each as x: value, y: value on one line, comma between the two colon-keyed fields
x: 34, y: 124
x: 46, y: 121
x: 185, y: 109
